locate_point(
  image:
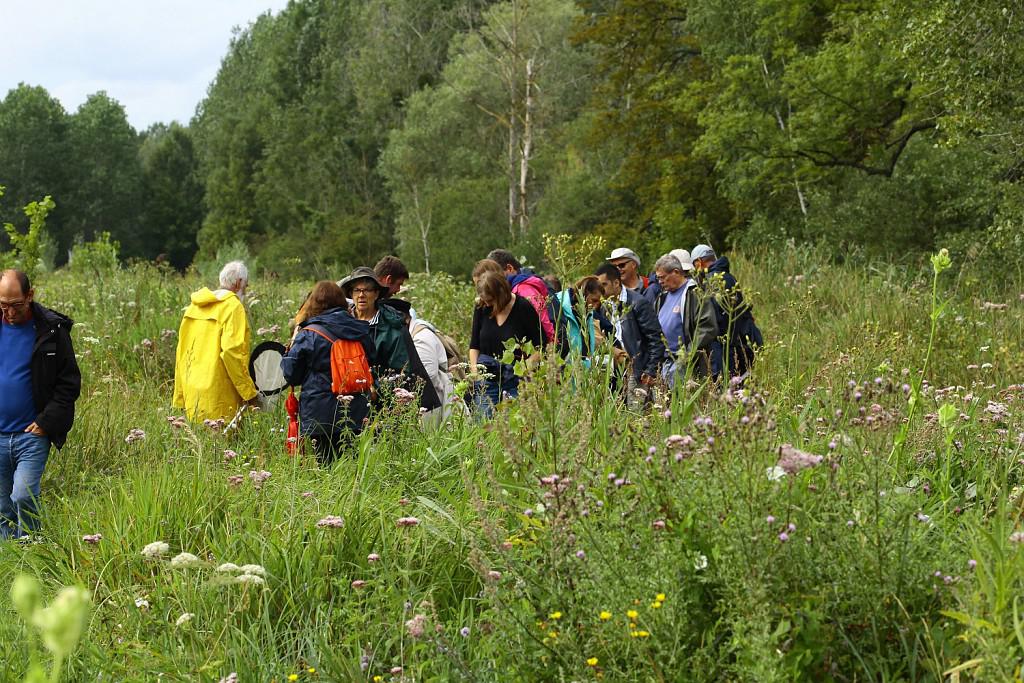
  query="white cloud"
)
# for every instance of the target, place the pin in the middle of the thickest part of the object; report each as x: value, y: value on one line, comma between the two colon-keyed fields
x: 155, y: 57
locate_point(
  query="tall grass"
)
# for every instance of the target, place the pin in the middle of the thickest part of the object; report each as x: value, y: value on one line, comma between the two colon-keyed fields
x: 566, y: 508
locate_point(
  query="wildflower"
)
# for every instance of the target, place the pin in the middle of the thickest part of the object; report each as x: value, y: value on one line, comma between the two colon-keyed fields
x: 923, y: 518
x: 307, y: 494
x: 700, y: 563
x: 155, y: 550
x: 792, y: 460
x: 183, y: 619
x: 660, y: 597
x: 142, y: 603
x: 229, y: 568
x: 378, y: 679
x: 293, y: 677
x: 395, y: 670
x: 229, y: 455
x: 258, y: 477
x: 580, y: 555
x: 775, y: 473
x: 464, y: 632
x: 783, y: 537
x: 850, y: 523
x: 332, y: 522
x: 416, y: 626
x: 555, y: 616
x: 372, y: 557
x: 655, y: 605
x: 254, y: 569
x: 632, y: 614
x: 311, y: 670
x: 358, y: 583
x: 184, y: 560
x: 135, y: 435
x: 407, y: 521
x: 230, y: 678
x: 1017, y: 537
x: 604, y: 616
x: 92, y: 539
x: 404, y: 396
x: 639, y: 634
x: 250, y: 580
x: 494, y: 576
x: 667, y: 415
x: 592, y: 661
x: 552, y: 634
x: 770, y: 519
x: 235, y: 479
x: 971, y: 564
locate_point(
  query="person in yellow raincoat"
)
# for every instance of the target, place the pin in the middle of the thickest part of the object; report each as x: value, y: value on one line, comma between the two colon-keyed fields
x: 211, y: 368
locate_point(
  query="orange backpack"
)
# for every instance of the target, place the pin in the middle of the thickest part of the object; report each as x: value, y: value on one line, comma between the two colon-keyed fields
x: 350, y: 369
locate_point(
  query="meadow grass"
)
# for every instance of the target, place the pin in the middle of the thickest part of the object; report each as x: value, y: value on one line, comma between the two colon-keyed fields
x: 570, y: 538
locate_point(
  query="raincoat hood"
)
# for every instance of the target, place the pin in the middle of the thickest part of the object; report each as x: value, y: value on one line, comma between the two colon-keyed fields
x: 205, y: 298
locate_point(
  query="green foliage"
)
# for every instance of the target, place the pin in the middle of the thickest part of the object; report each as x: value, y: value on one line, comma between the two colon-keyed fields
x: 98, y: 258
x: 29, y: 249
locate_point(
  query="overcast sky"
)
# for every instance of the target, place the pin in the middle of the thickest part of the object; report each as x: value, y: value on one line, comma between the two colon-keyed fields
x: 155, y: 57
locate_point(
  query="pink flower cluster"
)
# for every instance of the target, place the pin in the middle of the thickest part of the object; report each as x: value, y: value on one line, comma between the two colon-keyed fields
x: 135, y: 435
x: 177, y: 421
x: 792, y: 460
x: 407, y: 521
x: 258, y: 477
x: 331, y: 522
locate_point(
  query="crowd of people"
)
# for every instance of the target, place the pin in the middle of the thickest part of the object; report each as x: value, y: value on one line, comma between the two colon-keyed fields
x: 357, y: 348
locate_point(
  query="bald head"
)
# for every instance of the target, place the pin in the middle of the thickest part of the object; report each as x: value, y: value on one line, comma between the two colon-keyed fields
x: 15, y: 296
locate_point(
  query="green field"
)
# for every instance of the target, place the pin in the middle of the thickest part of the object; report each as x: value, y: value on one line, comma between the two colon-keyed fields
x: 647, y: 558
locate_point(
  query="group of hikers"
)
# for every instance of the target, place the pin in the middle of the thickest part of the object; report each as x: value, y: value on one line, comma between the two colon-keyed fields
x: 356, y: 346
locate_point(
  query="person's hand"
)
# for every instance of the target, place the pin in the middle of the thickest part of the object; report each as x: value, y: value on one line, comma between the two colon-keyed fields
x: 35, y: 429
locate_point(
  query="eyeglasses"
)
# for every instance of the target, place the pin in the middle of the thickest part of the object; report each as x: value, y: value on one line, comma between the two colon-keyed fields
x: 364, y: 290
x: 622, y: 265
x: 12, y: 305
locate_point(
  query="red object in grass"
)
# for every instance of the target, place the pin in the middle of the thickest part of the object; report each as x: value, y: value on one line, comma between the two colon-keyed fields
x: 291, y: 405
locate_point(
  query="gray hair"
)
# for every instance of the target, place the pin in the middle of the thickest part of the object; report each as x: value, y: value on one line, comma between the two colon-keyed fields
x: 668, y: 263
x: 232, y: 273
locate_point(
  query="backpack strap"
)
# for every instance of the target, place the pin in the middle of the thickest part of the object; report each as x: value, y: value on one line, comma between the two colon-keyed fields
x: 316, y: 329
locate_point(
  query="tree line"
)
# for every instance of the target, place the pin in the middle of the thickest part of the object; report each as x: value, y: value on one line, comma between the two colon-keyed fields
x: 336, y: 131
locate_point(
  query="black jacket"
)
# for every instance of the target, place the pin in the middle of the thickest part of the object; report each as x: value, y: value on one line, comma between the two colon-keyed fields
x: 56, y: 379
x: 308, y: 364
x: 641, y: 334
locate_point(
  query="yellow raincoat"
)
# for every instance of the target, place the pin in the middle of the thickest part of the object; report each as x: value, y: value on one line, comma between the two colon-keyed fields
x: 211, y: 369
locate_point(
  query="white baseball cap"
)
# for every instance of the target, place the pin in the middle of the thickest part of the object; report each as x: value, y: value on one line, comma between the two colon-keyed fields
x: 624, y: 252
x: 684, y: 258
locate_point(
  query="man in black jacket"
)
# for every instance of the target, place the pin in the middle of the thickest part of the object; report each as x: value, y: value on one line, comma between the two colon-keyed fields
x: 39, y: 384
x: 636, y: 328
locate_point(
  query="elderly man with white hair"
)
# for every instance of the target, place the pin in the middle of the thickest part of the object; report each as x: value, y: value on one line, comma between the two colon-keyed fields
x: 211, y: 369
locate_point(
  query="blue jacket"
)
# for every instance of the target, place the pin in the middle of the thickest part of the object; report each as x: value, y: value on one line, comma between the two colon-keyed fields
x: 569, y: 330
x: 308, y: 364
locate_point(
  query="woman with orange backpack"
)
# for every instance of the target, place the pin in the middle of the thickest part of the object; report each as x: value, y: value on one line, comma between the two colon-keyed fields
x: 331, y: 409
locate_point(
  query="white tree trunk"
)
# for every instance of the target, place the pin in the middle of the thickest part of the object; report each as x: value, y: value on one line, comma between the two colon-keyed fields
x: 424, y: 226
x: 525, y: 151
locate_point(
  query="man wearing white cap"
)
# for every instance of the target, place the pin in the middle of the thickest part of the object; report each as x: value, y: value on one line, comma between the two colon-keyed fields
x: 628, y: 263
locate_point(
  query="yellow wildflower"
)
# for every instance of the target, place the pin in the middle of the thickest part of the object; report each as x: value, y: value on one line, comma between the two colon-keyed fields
x: 592, y: 661
x: 555, y: 615
x: 311, y: 670
x: 552, y: 634
x: 293, y: 677
x: 378, y: 679
x: 639, y: 634
x: 604, y: 616
x: 656, y: 605
x: 632, y: 614
x: 660, y: 597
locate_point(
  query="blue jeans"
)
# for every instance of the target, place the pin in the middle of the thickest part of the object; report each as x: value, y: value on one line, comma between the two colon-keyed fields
x: 488, y: 393
x: 22, y: 460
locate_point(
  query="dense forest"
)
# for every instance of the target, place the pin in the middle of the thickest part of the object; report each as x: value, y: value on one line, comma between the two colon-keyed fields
x: 337, y: 131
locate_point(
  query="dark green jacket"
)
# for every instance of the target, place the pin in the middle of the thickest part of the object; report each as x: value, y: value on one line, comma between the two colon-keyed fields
x: 396, y: 353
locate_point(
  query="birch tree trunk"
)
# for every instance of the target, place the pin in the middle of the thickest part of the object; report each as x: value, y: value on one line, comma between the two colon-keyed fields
x: 526, y: 150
